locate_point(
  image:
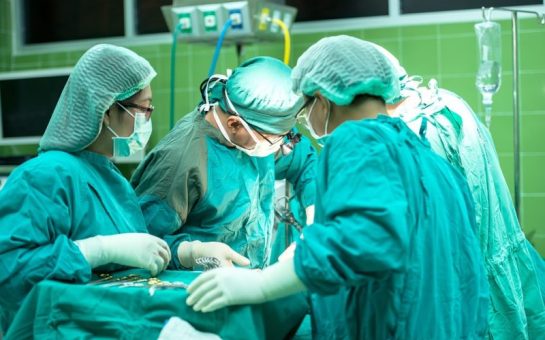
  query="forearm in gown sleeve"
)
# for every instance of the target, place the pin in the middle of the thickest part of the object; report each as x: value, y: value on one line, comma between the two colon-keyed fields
x: 161, y: 219
x: 166, y: 197
x: 299, y: 168
x: 34, y: 223
x: 364, y: 231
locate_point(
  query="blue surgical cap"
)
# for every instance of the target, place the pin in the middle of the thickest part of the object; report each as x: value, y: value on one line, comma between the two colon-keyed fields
x: 260, y: 90
x: 342, y: 67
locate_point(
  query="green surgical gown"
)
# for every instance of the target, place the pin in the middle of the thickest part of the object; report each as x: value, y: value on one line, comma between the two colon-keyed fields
x: 304, y: 157
x: 393, y: 252
x: 46, y: 204
x: 192, y: 186
x: 516, y: 310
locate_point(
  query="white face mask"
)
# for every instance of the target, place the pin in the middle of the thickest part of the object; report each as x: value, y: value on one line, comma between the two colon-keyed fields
x: 320, y: 139
x: 126, y: 146
x: 260, y: 149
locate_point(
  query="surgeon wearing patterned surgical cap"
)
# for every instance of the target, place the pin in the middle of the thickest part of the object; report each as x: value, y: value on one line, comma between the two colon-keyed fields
x: 70, y: 210
x: 393, y: 252
x: 207, y: 187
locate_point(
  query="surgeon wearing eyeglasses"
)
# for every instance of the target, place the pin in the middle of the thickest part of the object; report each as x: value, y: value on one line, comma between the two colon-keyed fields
x: 393, y: 252
x: 207, y: 188
x: 69, y: 210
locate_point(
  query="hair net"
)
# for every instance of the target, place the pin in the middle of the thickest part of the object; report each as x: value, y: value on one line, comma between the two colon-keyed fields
x: 103, y: 75
x: 398, y: 69
x: 343, y: 67
x: 407, y: 84
x: 260, y: 90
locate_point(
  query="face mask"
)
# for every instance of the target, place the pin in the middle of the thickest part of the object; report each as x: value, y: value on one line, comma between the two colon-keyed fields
x: 319, y: 139
x: 261, y: 148
x: 126, y: 146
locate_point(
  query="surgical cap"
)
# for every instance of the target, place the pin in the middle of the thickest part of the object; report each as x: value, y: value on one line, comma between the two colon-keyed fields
x: 399, y: 70
x: 103, y: 75
x: 260, y: 90
x: 343, y: 67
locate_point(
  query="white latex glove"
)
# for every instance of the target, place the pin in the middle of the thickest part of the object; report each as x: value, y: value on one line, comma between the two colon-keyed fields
x: 188, y: 252
x: 138, y: 250
x: 288, y: 254
x: 309, y: 211
x: 223, y: 287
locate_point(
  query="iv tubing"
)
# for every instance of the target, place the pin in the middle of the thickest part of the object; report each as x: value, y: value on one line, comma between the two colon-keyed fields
x: 287, y: 39
x: 212, y: 69
x: 173, y: 73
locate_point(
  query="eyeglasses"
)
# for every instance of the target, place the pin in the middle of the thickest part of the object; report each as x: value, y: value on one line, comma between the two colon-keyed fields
x: 147, y: 110
x: 232, y: 111
x: 291, y: 139
x: 271, y: 142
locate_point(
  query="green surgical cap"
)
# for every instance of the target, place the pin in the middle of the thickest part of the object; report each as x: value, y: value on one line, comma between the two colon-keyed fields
x: 103, y: 75
x: 260, y: 89
x: 343, y: 67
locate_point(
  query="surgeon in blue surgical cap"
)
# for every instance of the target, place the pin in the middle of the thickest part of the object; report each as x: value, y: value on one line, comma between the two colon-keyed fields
x: 393, y: 252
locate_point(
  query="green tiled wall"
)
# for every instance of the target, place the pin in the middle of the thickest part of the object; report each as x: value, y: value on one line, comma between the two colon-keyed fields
x: 446, y: 52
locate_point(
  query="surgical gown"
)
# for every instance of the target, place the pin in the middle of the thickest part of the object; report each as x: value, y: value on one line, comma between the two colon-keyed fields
x: 284, y: 232
x: 49, y: 202
x: 393, y: 253
x: 193, y: 187
x: 517, y: 310
x: 539, y: 263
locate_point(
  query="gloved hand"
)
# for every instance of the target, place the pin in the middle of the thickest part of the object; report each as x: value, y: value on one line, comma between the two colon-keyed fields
x: 138, y: 250
x: 310, y: 214
x: 222, y: 287
x: 288, y: 253
x: 188, y: 252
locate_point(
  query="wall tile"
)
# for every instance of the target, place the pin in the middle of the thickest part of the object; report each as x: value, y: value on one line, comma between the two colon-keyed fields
x: 532, y: 91
x: 534, y: 42
x: 529, y: 24
x: 465, y: 28
x: 532, y: 215
x: 420, y: 56
x: 458, y: 55
x: 532, y: 133
x: 533, y: 174
x: 420, y: 31
x: 382, y: 33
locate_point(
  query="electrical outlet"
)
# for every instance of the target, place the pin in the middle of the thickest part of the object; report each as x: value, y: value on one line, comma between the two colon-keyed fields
x: 210, y: 20
x: 264, y: 18
x: 287, y: 19
x: 276, y: 15
x: 184, y: 20
x: 236, y: 19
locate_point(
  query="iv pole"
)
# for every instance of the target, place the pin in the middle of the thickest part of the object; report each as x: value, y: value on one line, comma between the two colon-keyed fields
x: 516, y: 90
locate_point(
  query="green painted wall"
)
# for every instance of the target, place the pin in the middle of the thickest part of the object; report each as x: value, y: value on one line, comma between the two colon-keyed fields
x: 446, y: 52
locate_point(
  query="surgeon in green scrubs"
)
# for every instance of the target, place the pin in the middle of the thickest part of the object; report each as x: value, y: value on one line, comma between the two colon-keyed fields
x: 207, y: 187
x: 69, y: 210
x: 393, y: 252
x: 452, y: 129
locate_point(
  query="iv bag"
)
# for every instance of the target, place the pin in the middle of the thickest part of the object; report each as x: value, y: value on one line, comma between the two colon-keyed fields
x: 489, y: 44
